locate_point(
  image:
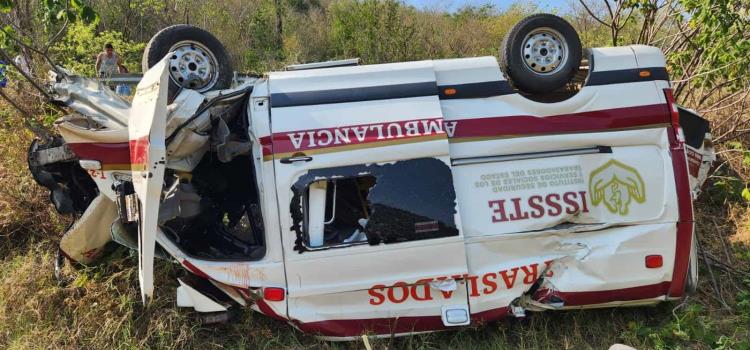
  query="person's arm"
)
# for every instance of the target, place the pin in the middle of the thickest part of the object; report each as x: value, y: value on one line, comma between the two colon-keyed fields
x: 98, y: 63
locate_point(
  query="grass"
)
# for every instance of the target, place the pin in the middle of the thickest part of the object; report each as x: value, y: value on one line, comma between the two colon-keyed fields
x: 98, y: 307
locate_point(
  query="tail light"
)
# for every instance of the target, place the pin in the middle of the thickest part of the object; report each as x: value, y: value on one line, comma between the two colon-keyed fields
x: 674, y: 115
x: 654, y: 261
x: 273, y: 294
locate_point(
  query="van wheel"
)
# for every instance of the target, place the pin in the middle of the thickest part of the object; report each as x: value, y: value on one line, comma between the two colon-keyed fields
x: 199, y: 60
x: 541, y: 53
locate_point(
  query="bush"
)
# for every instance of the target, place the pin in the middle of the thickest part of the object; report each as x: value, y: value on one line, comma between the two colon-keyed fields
x: 78, y: 49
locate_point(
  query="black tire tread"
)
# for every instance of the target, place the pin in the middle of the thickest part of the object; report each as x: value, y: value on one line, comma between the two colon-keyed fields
x: 527, y: 82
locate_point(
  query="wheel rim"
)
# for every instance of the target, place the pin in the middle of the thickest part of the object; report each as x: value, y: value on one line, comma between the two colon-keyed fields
x: 544, y: 51
x: 193, y: 66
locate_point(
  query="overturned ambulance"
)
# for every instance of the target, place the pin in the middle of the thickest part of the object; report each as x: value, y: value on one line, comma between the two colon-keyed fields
x: 393, y: 198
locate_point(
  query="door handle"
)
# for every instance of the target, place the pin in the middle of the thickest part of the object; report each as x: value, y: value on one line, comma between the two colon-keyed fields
x: 290, y: 160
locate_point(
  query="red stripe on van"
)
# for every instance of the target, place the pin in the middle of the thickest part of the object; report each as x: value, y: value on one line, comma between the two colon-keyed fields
x: 473, y: 129
x: 120, y: 154
x: 195, y: 270
x: 685, y: 225
x: 352, y: 328
x: 356, y: 327
x: 350, y: 135
x: 266, y: 145
x: 268, y: 310
x: 592, y: 121
x: 624, y: 294
x: 106, y: 153
x: 490, y: 315
x: 139, y: 150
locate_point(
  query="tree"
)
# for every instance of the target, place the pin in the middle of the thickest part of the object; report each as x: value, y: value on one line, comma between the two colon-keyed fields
x: 618, y: 14
x: 15, y: 37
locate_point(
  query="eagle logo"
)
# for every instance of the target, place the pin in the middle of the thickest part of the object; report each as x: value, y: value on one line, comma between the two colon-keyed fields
x: 616, y: 185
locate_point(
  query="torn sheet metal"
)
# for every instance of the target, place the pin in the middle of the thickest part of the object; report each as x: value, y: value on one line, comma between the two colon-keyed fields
x: 188, y: 296
x: 700, y: 160
x: 85, y: 240
x: 554, y: 271
x: 83, y: 129
x: 91, y: 98
x: 51, y: 155
x: 183, y: 108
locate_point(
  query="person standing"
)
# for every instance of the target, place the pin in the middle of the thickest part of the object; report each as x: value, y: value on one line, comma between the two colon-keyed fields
x: 108, y: 62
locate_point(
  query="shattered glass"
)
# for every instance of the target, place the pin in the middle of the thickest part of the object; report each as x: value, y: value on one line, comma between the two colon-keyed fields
x: 409, y: 200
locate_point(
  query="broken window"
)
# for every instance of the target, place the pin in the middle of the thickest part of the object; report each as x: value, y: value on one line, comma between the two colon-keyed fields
x: 337, y: 211
x: 389, y: 203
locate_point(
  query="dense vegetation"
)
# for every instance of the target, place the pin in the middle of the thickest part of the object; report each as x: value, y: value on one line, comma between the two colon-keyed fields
x: 707, y: 43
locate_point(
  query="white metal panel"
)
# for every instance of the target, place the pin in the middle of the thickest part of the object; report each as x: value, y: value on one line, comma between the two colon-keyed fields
x: 362, y: 267
x: 187, y: 296
x: 656, y: 136
x: 379, y: 303
x: 598, y: 261
x: 467, y: 70
x: 316, y: 117
x: 590, y: 98
x: 245, y: 275
x: 148, y: 157
x: 648, y: 56
x: 260, y: 131
x: 535, y: 194
x: 613, y: 58
x: 349, y: 77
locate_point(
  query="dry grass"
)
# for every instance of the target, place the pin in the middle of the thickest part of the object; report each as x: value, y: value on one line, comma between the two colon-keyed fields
x: 24, y: 208
x: 98, y: 307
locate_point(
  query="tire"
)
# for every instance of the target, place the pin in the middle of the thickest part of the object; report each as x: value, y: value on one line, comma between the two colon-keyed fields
x: 200, y: 61
x: 541, y: 53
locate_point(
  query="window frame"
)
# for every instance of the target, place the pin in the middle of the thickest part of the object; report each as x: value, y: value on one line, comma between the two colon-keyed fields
x: 300, y: 201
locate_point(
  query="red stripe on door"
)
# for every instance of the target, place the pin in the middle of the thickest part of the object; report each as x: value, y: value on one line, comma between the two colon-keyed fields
x: 356, y: 327
x: 311, y: 139
x: 475, y: 128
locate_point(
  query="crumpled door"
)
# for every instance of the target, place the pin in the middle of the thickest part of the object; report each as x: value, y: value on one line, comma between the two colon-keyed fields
x: 373, y: 135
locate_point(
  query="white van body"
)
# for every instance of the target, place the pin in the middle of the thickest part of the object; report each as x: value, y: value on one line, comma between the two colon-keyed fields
x: 477, y: 203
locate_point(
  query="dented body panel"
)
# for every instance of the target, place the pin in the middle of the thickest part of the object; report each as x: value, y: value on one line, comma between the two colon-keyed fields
x: 410, y: 197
